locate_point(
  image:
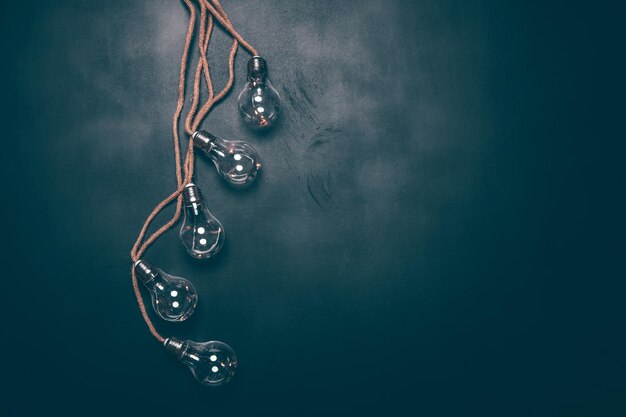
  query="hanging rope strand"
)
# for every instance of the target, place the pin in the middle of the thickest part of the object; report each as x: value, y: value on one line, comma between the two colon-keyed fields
x: 216, y: 11
x: 203, y: 65
x: 188, y: 165
x: 231, y: 78
x: 219, y: 8
x: 205, y: 62
x: 179, y: 107
x: 192, y: 127
x: 226, y: 24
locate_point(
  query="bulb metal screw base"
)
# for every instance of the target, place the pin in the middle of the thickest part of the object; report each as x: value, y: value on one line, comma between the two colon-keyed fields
x: 257, y: 67
x: 191, y: 194
x: 203, y: 140
x: 144, y: 271
x: 174, y: 346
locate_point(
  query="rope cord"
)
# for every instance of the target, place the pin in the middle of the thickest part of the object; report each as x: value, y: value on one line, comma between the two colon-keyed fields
x: 209, y: 10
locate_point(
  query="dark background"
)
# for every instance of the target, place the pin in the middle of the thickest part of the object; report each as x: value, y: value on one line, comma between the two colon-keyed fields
x: 436, y: 230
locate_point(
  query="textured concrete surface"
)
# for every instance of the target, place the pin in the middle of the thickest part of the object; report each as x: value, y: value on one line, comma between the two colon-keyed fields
x: 420, y: 242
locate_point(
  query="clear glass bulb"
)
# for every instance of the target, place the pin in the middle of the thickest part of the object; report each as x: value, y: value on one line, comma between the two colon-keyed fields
x: 201, y: 233
x: 236, y: 161
x: 212, y: 363
x: 173, y: 298
x: 259, y: 102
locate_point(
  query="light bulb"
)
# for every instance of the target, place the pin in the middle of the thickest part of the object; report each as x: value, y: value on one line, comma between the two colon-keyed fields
x: 201, y: 233
x: 173, y: 298
x: 212, y: 363
x: 236, y: 161
x: 258, y: 102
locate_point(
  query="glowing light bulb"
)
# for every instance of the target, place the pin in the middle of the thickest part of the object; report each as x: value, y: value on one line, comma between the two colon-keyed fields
x: 212, y: 363
x: 173, y: 298
x: 236, y: 161
x: 201, y: 233
x: 258, y: 102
